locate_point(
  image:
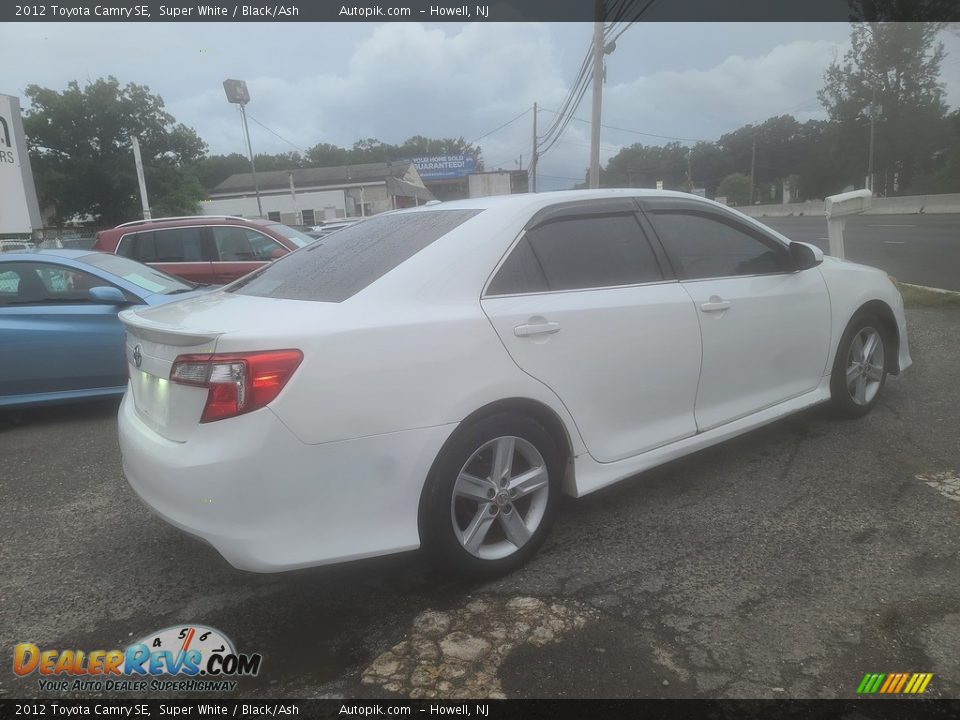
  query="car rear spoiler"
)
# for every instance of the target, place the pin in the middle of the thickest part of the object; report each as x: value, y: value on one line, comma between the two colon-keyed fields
x: 165, y: 334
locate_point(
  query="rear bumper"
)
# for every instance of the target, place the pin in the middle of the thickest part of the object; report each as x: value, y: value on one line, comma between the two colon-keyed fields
x: 268, y: 502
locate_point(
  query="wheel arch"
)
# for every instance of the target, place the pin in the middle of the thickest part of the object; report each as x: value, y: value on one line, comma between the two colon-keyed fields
x: 883, y: 312
x: 534, y: 409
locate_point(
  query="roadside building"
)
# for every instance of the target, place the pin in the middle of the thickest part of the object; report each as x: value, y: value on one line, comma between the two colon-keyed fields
x: 310, y: 196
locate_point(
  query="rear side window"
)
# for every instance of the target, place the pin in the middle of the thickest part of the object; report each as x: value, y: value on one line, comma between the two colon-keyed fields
x: 520, y: 273
x: 342, y: 264
x: 579, y: 253
x: 703, y: 246
x: 159, y: 246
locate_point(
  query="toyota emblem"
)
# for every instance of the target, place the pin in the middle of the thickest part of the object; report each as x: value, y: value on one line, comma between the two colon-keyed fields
x: 137, y: 355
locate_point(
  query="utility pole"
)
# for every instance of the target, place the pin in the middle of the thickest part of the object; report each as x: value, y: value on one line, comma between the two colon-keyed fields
x: 598, y: 48
x: 753, y: 164
x: 293, y: 196
x: 536, y: 152
x: 689, y: 170
x: 873, y: 113
x: 144, y: 202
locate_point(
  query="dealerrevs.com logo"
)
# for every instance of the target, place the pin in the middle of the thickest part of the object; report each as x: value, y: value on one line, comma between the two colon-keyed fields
x: 179, y: 658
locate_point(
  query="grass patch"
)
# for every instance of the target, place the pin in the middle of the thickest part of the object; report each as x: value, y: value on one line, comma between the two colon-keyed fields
x: 916, y: 296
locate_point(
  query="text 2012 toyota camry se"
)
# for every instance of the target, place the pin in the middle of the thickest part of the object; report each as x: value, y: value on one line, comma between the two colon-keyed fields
x: 439, y: 376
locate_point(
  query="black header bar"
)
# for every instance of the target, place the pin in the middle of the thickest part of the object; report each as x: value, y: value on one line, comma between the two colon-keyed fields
x: 893, y: 709
x: 490, y: 11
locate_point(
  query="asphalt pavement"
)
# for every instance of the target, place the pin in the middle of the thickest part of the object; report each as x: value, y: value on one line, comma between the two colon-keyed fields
x: 786, y: 563
x: 918, y: 249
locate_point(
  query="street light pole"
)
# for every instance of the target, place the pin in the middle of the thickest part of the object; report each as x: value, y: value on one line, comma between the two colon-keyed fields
x: 238, y: 94
x: 253, y: 165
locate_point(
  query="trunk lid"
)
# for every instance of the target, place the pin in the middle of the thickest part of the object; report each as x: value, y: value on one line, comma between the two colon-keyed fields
x: 207, y: 323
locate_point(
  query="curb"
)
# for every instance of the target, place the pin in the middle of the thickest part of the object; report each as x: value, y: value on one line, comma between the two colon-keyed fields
x: 927, y: 288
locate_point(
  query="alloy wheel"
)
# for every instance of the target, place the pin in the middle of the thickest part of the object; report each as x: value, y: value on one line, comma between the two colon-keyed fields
x: 865, y: 366
x: 499, y: 497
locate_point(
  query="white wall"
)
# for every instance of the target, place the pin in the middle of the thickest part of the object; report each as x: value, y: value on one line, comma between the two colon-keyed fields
x: 324, y: 203
x: 906, y: 205
x: 19, y: 211
x: 486, y: 184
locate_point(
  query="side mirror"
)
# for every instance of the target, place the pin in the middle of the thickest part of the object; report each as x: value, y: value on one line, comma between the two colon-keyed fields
x: 107, y: 295
x: 277, y: 253
x: 805, y: 256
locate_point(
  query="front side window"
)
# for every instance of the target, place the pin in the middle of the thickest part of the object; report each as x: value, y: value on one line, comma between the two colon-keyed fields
x: 295, y: 236
x: 44, y: 284
x: 342, y: 264
x: 237, y: 244
x: 579, y: 253
x: 707, y: 247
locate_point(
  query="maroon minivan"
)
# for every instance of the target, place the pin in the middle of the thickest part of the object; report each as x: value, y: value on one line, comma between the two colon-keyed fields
x: 214, y: 249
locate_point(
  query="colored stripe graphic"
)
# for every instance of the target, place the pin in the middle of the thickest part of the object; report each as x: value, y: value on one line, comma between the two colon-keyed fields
x: 894, y: 683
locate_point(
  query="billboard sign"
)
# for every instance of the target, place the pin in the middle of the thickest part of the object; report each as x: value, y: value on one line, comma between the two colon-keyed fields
x: 19, y: 210
x: 444, y: 167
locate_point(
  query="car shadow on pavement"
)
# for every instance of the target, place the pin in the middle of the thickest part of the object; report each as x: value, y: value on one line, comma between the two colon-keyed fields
x: 11, y: 418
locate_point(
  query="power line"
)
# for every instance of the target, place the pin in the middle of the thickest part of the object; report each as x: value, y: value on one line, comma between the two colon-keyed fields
x: 275, y: 133
x: 501, y: 127
x: 635, y: 132
x: 634, y: 19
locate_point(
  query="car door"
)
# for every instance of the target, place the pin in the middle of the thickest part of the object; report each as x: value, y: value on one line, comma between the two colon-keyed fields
x: 55, y: 338
x: 239, y: 251
x: 183, y: 251
x: 765, y: 327
x: 582, y: 303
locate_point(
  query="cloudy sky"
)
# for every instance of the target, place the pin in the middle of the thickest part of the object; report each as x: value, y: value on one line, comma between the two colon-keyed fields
x: 337, y: 83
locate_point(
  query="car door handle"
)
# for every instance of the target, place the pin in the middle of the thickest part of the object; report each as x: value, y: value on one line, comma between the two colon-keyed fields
x: 544, y: 328
x: 715, y: 304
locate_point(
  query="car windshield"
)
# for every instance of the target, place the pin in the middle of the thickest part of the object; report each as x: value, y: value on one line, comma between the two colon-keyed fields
x: 295, y: 236
x: 343, y: 263
x: 143, y: 276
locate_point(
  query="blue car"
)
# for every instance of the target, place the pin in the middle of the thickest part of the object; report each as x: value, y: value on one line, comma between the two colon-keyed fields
x: 60, y: 338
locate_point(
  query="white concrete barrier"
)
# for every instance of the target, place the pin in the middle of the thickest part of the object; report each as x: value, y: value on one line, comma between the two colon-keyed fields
x: 906, y: 205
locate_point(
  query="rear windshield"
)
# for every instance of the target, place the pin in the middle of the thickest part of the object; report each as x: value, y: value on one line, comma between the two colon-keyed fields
x: 343, y: 263
x: 143, y: 276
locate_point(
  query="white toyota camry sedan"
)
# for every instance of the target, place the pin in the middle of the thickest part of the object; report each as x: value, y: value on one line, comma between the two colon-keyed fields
x: 439, y: 376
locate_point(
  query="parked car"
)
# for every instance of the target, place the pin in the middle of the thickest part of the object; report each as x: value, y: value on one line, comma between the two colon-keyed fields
x: 204, y: 249
x: 319, y: 231
x: 60, y: 338
x: 14, y: 245
x: 439, y: 376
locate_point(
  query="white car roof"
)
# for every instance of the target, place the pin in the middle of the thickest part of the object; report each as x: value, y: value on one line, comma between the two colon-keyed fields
x: 533, y: 201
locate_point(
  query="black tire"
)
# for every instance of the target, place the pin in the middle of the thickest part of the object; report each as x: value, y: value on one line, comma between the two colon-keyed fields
x: 842, y: 398
x: 438, y: 513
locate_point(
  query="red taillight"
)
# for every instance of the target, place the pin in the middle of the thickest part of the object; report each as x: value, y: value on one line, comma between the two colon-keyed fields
x: 237, y: 382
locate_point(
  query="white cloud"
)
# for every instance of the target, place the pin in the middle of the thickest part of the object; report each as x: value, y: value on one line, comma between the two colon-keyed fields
x: 313, y: 83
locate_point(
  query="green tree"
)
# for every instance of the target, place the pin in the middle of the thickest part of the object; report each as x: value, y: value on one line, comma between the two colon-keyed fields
x: 82, y: 156
x: 214, y: 169
x: 893, y: 71
x: 735, y: 188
